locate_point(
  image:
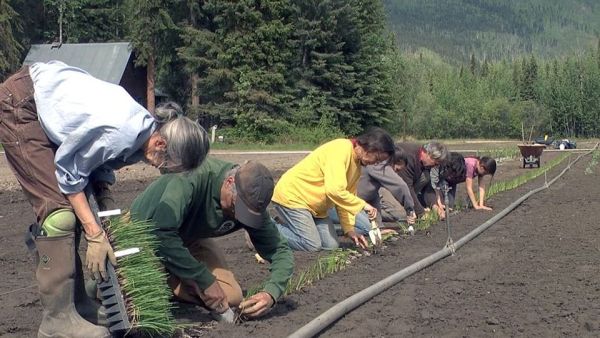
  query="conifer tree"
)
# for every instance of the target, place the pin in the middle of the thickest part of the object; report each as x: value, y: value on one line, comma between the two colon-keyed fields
x: 208, y: 76
x: 10, y: 53
x: 323, y: 73
x: 372, y: 96
x: 152, y: 33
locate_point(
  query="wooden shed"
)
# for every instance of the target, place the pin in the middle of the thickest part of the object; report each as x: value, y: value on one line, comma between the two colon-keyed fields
x: 111, y: 62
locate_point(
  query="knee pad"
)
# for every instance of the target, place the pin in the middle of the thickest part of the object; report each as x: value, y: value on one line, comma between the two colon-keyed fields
x: 59, y: 223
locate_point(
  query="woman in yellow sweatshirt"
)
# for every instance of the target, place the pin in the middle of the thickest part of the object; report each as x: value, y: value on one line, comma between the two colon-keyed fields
x: 328, y: 177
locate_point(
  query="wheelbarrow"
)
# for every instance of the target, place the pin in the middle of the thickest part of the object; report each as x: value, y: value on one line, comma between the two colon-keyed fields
x: 532, y: 154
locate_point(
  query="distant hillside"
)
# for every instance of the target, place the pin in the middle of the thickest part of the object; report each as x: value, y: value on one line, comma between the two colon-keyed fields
x: 495, y: 28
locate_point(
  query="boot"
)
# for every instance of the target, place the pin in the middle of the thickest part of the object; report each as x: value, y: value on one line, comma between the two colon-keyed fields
x: 90, y: 309
x: 56, y: 280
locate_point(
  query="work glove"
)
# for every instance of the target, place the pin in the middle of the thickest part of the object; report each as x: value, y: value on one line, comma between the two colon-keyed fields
x: 98, y: 248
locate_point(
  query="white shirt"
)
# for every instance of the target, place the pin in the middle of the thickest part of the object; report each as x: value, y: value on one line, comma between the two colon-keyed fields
x: 96, y: 125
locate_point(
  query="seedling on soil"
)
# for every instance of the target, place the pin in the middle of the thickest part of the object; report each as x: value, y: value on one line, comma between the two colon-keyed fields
x: 339, y: 259
x: 325, y: 265
x: 498, y: 187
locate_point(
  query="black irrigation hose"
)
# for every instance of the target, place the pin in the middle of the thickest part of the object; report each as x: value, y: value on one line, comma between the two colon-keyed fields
x: 340, y: 309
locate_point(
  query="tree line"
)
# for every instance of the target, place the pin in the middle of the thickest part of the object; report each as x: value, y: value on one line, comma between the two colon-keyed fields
x: 558, y: 96
x: 495, y: 29
x: 309, y: 70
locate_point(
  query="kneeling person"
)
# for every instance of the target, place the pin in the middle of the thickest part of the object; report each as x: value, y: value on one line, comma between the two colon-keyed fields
x: 214, y: 200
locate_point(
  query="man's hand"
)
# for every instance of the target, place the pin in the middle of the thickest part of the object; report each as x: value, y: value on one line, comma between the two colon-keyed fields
x: 97, y: 250
x: 214, y: 297
x: 411, y: 218
x: 483, y: 207
x: 359, y: 240
x: 257, y: 305
x: 371, y: 211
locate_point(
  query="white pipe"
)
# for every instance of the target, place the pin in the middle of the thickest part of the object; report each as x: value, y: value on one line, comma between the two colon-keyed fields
x: 213, y: 132
x: 340, y: 309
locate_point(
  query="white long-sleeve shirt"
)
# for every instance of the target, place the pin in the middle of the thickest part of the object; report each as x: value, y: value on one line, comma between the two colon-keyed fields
x: 96, y: 125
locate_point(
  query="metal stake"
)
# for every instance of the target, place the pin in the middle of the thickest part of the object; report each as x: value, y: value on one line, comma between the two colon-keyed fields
x: 449, y: 241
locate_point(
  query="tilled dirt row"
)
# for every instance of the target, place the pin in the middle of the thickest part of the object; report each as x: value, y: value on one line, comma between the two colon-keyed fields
x: 422, y: 305
x: 534, y: 273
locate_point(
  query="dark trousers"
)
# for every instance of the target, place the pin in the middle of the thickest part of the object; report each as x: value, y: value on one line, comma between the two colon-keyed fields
x: 428, y: 197
x: 29, y: 152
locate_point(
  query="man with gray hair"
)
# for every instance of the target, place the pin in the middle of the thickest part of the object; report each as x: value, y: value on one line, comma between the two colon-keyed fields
x: 62, y: 129
x: 214, y: 200
x: 420, y: 158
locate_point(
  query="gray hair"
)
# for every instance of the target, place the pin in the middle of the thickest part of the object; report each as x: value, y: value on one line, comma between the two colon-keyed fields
x: 437, y: 151
x: 231, y: 173
x: 187, y: 141
x: 167, y: 111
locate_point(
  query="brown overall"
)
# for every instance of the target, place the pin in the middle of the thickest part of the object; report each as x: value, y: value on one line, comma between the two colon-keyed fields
x: 28, y: 150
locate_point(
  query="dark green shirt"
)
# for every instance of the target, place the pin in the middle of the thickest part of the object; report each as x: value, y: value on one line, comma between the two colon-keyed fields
x: 187, y: 206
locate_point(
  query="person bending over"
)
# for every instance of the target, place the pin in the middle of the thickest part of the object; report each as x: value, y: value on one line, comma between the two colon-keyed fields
x: 456, y: 170
x: 416, y: 172
x: 479, y: 167
x: 447, y: 175
x: 379, y: 176
x: 214, y: 200
x: 62, y: 129
x: 328, y: 177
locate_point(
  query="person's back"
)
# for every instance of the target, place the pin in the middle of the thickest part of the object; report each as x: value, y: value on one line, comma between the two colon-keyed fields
x: 328, y: 177
x: 63, y: 131
x: 307, y: 184
x: 413, y: 169
x: 215, y: 199
x: 68, y: 98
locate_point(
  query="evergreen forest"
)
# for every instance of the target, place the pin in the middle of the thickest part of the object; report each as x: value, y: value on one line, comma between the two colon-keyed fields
x: 309, y: 70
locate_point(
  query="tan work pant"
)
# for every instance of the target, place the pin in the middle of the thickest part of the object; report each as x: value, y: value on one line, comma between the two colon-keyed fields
x: 207, y: 251
x: 28, y: 150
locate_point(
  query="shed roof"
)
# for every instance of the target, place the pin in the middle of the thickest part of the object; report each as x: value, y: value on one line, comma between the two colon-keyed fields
x: 105, y: 61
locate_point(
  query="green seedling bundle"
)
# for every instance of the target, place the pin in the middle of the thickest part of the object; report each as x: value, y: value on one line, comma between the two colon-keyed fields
x: 142, y: 278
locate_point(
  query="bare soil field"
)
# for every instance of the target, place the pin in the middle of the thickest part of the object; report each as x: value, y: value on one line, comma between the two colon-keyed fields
x: 534, y: 273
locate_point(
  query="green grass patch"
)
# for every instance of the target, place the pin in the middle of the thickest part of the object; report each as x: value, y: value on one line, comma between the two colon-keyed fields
x: 142, y: 278
x: 253, y: 146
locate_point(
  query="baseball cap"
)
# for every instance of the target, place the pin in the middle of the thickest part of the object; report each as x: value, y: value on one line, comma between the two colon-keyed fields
x: 254, y: 185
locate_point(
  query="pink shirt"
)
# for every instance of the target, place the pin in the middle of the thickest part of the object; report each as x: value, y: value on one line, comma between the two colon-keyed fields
x: 471, y: 164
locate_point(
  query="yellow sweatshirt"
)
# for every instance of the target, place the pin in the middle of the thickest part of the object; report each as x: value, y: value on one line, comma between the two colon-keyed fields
x: 326, y: 177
